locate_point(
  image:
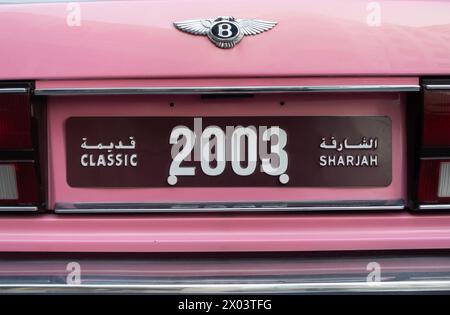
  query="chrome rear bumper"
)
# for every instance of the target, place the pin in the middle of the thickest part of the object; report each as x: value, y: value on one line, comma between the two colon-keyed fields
x: 237, y: 288
x: 227, y: 274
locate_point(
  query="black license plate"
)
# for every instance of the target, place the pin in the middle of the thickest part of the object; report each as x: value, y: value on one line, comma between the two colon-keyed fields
x: 263, y: 151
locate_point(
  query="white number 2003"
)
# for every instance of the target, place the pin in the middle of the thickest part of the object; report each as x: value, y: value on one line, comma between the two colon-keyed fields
x: 274, y: 162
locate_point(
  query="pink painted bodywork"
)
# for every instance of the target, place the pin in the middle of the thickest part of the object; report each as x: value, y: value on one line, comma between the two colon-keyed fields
x: 224, y: 233
x: 340, y: 104
x: 136, y: 39
x: 133, y: 43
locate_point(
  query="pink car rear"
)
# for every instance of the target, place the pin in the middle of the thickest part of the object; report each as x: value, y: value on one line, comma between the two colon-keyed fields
x: 125, y: 140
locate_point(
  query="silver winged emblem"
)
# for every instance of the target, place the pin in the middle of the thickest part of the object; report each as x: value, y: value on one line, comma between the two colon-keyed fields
x: 224, y: 31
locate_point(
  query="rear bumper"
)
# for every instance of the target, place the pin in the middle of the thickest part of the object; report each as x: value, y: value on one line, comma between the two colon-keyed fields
x: 442, y: 286
x: 360, y: 272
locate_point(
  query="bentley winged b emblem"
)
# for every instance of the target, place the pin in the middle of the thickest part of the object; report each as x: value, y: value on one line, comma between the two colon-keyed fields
x: 224, y: 31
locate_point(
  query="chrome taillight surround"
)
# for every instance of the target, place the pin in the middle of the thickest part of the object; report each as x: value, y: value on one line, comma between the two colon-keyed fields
x: 434, y: 166
x: 19, y: 170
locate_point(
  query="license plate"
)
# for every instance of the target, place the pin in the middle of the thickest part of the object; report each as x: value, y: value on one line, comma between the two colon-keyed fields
x: 263, y: 151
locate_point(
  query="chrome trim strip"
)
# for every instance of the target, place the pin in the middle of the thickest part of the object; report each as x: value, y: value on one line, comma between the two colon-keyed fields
x: 18, y: 209
x: 229, y: 207
x: 225, y: 89
x: 435, y: 207
x: 244, y: 287
x: 13, y: 90
x: 435, y: 158
x: 437, y: 86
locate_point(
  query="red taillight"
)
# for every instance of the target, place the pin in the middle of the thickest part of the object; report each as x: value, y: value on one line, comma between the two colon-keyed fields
x: 436, y: 119
x: 15, y: 124
x: 19, y: 186
x: 434, y: 172
x: 434, y: 179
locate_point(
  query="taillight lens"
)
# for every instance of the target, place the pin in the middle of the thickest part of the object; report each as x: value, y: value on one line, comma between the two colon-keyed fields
x: 19, y: 185
x: 15, y: 124
x: 434, y: 173
x: 434, y: 179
